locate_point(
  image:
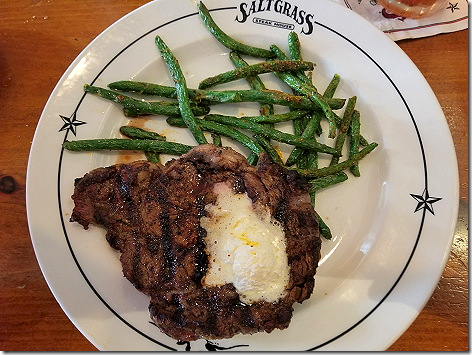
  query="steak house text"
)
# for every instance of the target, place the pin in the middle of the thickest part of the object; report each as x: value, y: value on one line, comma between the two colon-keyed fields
x: 280, y: 6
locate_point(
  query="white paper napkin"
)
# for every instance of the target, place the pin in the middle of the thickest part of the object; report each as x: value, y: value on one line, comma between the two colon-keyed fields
x: 453, y: 17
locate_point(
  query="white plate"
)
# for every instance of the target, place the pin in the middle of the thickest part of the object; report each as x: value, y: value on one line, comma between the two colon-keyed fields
x: 389, y: 247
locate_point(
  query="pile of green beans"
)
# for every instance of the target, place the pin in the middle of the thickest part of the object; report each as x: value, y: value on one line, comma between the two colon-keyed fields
x: 191, y: 109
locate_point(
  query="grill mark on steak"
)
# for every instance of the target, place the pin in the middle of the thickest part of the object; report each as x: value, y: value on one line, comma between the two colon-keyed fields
x: 166, y: 238
x: 201, y: 257
x: 136, y: 274
x: 152, y: 215
x: 167, y: 245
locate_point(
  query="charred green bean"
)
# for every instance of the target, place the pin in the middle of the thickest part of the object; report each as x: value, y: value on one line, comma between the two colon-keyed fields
x: 226, y: 40
x: 127, y: 144
x: 340, y: 166
x: 221, y: 129
x: 135, y: 107
x: 354, y: 140
x: 274, y: 134
x: 255, y: 69
x: 182, y: 92
x: 139, y: 133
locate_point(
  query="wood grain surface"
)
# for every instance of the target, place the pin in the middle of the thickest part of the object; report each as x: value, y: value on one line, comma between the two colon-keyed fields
x: 38, y: 41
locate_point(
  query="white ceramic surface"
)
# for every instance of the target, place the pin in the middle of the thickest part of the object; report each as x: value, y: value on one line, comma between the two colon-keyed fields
x: 389, y: 247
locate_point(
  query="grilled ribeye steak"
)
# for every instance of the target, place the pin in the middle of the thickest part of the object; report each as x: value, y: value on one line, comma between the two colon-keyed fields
x: 152, y: 216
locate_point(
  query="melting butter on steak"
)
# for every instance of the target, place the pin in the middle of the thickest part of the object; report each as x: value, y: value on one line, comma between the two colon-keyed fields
x: 245, y: 247
x: 152, y: 215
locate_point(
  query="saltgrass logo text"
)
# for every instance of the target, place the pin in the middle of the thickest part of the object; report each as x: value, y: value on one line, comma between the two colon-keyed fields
x: 300, y: 16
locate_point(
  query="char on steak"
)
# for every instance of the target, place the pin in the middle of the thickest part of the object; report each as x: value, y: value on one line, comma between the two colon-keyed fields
x: 151, y: 215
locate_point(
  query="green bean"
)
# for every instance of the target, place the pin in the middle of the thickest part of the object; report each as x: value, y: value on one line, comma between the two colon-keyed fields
x: 153, y: 157
x: 298, y: 124
x: 283, y: 117
x: 282, y: 56
x: 294, y: 46
x: 182, y: 92
x: 216, y: 139
x: 325, y: 181
x: 332, y: 86
x: 269, y: 148
x: 225, y: 96
x: 302, y: 162
x: 139, y: 133
x: 337, y: 119
x: 226, y: 40
x: 363, y: 141
x: 312, y: 194
x: 264, y: 96
x: 144, y: 88
x: 274, y: 134
x: 222, y: 130
x: 138, y: 112
x: 255, y: 69
x: 343, y: 128
x: 127, y: 144
x: 137, y: 107
x: 323, y: 228
x: 254, y: 81
x: 340, y: 166
x: 153, y: 110
x: 134, y: 112
x: 253, y: 158
x: 265, y: 109
x: 311, y: 160
x: 311, y: 92
x: 309, y: 76
x: 294, y: 49
x: 354, y: 140
x: 308, y: 89
x: 307, y: 133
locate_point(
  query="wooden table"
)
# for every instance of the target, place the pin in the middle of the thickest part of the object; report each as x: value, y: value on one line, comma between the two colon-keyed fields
x: 39, y: 39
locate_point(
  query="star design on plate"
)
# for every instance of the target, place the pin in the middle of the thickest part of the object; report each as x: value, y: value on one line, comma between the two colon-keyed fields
x: 70, y: 124
x: 425, y: 201
x: 453, y: 7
